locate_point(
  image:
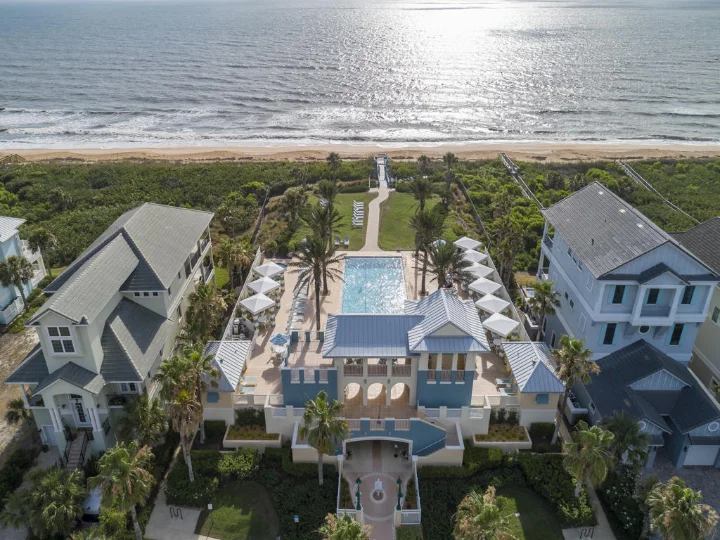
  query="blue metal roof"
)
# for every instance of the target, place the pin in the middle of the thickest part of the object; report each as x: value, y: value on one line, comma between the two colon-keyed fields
x: 369, y: 335
x: 531, y: 366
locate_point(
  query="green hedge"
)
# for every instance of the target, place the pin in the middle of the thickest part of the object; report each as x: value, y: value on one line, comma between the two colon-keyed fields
x: 214, y: 430
x: 622, y: 509
x: 239, y: 465
x: 541, y: 434
x: 250, y: 417
x: 12, y: 473
x: 409, y: 532
x: 475, y: 460
x: 354, y: 187
x: 178, y: 488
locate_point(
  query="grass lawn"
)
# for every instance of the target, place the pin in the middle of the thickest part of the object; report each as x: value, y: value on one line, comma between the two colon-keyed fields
x: 344, y: 205
x: 221, y: 276
x: 241, y: 511
x: 524, y: 279
x: 395, y: 231
x: 537, y: 520
x: 57, y: 270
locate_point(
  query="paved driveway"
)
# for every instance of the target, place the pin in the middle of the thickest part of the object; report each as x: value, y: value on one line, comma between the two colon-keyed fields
x: 705, y: 479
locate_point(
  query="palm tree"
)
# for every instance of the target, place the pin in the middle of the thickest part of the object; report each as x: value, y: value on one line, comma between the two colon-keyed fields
x: 343, y: 528
x: 334, y: 161
x: 329, y: 191
x: 544, y: 302
x: 574, y: 365
x: 93, y: 533
x: 421, y: 189
x: 16, y: 271
x: 479, y: 518
x: 316, y: 261
x: 172, y: 375
x: 186, y: 413
x: 630, y: 444
x: 449, y: 160
x: 589, y: 457
x: 294, y: 199
x: 125, y: 479
x: 428, y: 226
x: 323, y: 427
x: 17, y: 413
x: 446, y: 260
x: 205, y: 313
x: 49, y: 505
x: 40, y: 239
x: 676, y: 511
x: 423, y: 163
x: 144, y: 421
x: 227, y: 252
x: 322, y: 220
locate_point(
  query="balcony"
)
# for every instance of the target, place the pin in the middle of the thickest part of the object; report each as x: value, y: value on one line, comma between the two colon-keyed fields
x: 401, y: 371
x: 12, y: 310
x: 352, y: 370
x: 377, y: 370
x: 651, y: 310
x: 28, y: 253
x: 548, y: 242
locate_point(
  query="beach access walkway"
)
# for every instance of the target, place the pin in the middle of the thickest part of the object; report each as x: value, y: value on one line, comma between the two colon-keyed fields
x: 373, y: 219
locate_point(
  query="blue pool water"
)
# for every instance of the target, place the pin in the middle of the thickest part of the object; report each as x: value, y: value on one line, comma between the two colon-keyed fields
x: 373, y: 285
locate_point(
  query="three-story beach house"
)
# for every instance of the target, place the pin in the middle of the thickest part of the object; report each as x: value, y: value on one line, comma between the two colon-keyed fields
x: 11, y: 304
x: 112, y: 316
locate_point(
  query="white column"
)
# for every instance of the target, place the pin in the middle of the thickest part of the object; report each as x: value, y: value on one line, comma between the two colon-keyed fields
x: 94, y: 418
x: 388, y: 397
x: 56, y: 419
x: 24, y: 396
x: 454, y: 361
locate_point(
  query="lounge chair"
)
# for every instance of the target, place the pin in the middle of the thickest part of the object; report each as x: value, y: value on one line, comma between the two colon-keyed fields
x: 337, y: 241
x: 347, y: 241
x: 504, y: 382
x: 508, y: 391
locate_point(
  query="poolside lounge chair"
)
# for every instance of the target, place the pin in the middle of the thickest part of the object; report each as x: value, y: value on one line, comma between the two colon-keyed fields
x: 347, y: 241
x: 508, y: 391
x: 503, y: 382
x: 337, y: 241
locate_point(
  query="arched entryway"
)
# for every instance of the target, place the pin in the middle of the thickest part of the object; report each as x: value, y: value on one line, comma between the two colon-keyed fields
x: 400, y: 395
x: 376, y: 395
x: 353, y: 395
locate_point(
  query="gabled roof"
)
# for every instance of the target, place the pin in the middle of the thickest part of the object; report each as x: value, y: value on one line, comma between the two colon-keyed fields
x: 368, y: 335
x: 703, y: 241
x: 75, y: 375
x: 610, y: 390
x: 161, y: 237
x: 438, y: 310
x: 131, y: 341
x: 229, y: 358
x: 32, y: 369
x: 9, y: 227
x: 93, y: 285
x: 603, y: 230
x: 531, y: 366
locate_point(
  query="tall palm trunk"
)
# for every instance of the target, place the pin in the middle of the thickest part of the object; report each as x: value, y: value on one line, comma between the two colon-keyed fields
x: 136, y: 525
x: 560, y: 414
x: 539, y: 331
x: 188, y: 459
x: 578, y: 487
x: 47, y: 264
x: 320, y: 467
x: 22, y: 295
x: 326, y: 291
x: 317, y: 302
x: 424, y: 272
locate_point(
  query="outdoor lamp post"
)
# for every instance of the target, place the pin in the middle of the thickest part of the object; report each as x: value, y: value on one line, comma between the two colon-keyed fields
x: 358, y: 506
x: 400, y: 494
x: 296, y: 519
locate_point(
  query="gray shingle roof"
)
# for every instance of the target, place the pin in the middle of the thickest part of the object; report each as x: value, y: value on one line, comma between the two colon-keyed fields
x: 610, y: 390
x: 131, y: 342
x: 75, y: 375
x: 531, y: 366
x: 94, y: 284
x: 371, y: 335
x: 161, y: 236
x: 229, y: 357
x: 602, y: 229
x: 33, y: 368
x: 703, y: 241
x: 8, y: 227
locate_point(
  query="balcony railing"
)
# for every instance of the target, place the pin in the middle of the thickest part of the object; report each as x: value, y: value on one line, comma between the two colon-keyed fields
x: 432, y: 375
x: 203, y: 243
x: 460, y: 376
x: 353, y: 370
x: 106, y: 426
x: 655, y: 311
x: 377, y: 424
x: 377, y: 370
x: 548, y: 241
x: 446, y: 375
x: 410, y: 517
x: 12, y: 310
x: 401, y: 371
x: 353, y: 424
x: 402, y: 424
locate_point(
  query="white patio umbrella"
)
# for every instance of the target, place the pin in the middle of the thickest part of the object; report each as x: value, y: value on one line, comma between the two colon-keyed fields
x: 439, y: 242
x: 257, y: 303
x: 479, y: 270
x: 492, y: 303
x: 500, y: 324
x: 467, y: 243
x: 474, y: 256
x: 263, y: 285
x: 269, y: 269
x: 484, y: 286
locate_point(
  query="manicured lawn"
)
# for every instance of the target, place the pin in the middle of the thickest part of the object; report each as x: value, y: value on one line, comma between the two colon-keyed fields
x: 537, y: 520
x: 241, y: 511
x: 523, y: 279
x: 344, y: 205
x: 221, y: 276
x: 395, y: 213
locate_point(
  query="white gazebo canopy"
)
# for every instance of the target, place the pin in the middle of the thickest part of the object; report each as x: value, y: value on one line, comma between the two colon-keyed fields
x: 474, y: 256
x: 467, y: 243
x: 500, y: 324
x: 492, y: 304
x: 269, y: 269
x: 484, y: 286
x: 479, y: 270
x: 263, y: 285
x: 257, y: 303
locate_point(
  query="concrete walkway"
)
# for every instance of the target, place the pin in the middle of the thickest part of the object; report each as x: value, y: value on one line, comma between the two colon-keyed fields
x: 373, y: 219
x: 166, y: 526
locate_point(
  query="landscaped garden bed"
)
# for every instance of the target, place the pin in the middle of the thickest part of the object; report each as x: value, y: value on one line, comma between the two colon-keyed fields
x: 507, y: 437
x: 250, y: 436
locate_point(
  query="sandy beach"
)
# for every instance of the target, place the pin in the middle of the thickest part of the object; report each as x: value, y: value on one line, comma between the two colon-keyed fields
x: 538, y: 151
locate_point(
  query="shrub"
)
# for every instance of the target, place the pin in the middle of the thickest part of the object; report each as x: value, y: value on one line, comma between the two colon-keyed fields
x: 250, y: 417
x: 354, y: 187
x: 409, y: 532
x: 541, y: 434
x: 249, y: 433
x: 239, y: 465
x: 179, y: 489
x: 621, y: 507
x: 12, y: 473
x: 214, y: 430
x: 475, y: 460
x: 410, y: 501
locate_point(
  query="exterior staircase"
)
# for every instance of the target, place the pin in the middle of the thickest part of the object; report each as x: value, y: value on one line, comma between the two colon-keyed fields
x: 75, y: 452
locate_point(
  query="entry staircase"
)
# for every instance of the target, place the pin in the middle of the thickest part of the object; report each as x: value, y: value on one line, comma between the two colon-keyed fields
x: 75, y: 451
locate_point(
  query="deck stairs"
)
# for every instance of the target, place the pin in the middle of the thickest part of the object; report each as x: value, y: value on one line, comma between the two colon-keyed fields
x: 75, y: 452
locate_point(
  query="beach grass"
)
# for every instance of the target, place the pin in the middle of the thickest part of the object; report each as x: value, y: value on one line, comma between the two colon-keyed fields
x: 395, y: 213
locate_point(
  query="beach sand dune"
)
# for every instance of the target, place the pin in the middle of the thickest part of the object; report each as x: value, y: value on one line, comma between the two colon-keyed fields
x: 554, y: 152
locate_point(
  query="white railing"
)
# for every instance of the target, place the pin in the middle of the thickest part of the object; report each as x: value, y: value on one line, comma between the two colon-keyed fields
x: 353, y: 424
x: 503, y: 401
x: 446, y: 375
x: 353, y: 370
x: 476, y: 413
x: 431, y: 375
x: 298, y: 412
x: 242, y: 296
x: 410, y: 517
x: 402, y: 424
x: 460, y: 376
x: 454, y: 413
x: 309, y: 375
x: 278, y: 412
x: 275, y: 400
x: 377, y: 424
x: 323, y: 375
x: 432, y: 413
x: 12, y: 310
x: 346, y: 512
x: 295, y: 375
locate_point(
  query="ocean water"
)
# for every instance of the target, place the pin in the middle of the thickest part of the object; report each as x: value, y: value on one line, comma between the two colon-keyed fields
x: 280, y: 72
x: 373, y: 285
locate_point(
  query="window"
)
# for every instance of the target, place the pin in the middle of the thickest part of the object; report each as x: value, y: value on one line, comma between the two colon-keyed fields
x: 432, y: 361
x: 716, y: 315
x: 652, y: 296
x: 570, y: 253
x: 461, y: 359
x: 552, y: 340
x: 580, y: 266
x: 213, y: 397
x: 566, y: 295
x: 609, y: 336
x: 582, y: 322
x: 447, y: 361
x: 128, y: 388
x: 592, y: 406
x: 542, y: 399
x: 155, y: 294
x: 572, y: 304
x: 644, y: 329
x: 137, y: 294
x: 61, y: 340
x: 146, y: 294
x: 676, y: 335
x: 688, y: 294
x: 179, y: 312
x: 618, y: 294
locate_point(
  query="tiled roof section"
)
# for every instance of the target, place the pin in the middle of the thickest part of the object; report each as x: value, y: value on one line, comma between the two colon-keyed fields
x: 162, y: 237
x: 610, y: 390
x: 94, y: 284
x: 349, y: 335
x: 9, y: 227
x: 703, y: 241
x: 229, y: 358
x: 75, y: 375
x: 132, y: 339
x: 603, y: 230
x: 531, y: 366
x: 33, y: 368
x: 438, y: 310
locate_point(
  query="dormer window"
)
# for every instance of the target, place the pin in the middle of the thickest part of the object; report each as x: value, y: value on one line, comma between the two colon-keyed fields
x: 61, y: 340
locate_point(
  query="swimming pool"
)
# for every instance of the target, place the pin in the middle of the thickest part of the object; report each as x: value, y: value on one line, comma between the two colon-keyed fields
x: 373, y: 285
